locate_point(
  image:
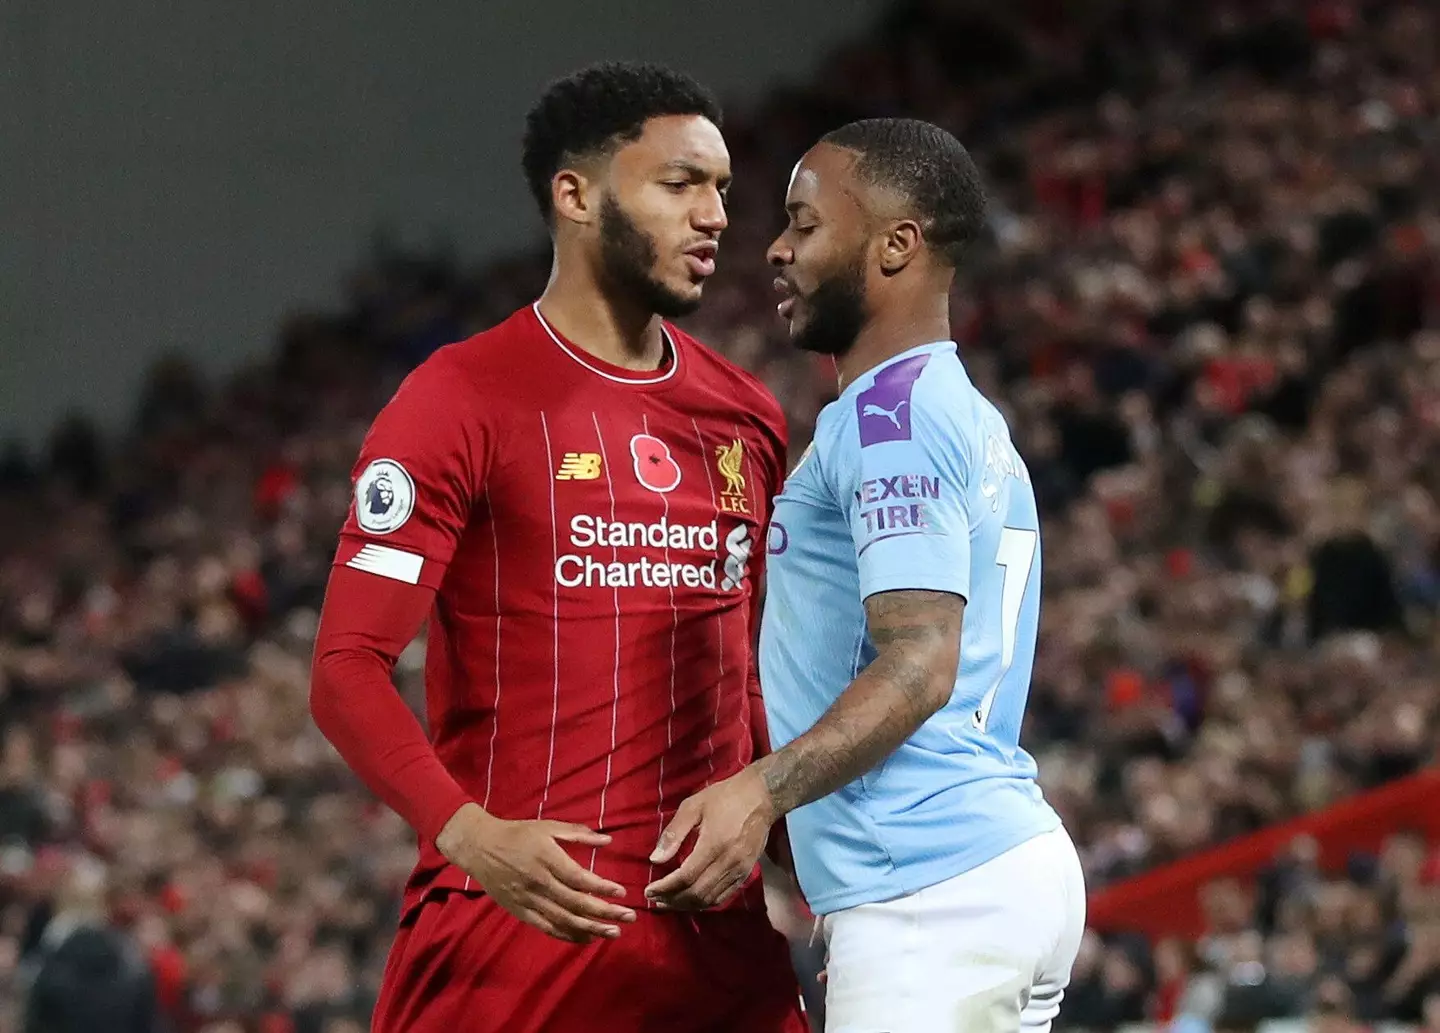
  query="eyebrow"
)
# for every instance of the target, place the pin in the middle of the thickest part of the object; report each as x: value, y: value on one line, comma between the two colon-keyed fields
x: 698, y: 171
x: 794, y: 207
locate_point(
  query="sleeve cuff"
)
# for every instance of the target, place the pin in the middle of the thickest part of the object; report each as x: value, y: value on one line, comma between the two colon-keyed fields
x: 438, y: 813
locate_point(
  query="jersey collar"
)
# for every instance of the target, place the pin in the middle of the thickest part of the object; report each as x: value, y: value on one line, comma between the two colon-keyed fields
x: 865, y: 380
x: 614, y: 374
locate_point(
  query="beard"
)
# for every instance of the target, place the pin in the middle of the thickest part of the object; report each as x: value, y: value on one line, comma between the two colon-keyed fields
x: 835, y: 313
x: 627, y: 259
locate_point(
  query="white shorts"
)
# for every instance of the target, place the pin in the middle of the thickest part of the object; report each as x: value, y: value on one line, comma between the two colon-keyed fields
x: 989, y: 951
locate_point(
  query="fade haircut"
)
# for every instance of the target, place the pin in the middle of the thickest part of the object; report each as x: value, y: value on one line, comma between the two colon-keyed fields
x: 590, y: 113
x: 929, y: 168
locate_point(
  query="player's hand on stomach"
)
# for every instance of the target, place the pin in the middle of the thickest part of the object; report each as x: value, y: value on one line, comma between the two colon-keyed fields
x: 733, y: 819
x: 523, y: 868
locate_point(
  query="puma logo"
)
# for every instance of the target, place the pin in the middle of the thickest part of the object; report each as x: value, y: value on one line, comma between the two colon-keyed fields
x: 890, y: 414
x: 885, y: 398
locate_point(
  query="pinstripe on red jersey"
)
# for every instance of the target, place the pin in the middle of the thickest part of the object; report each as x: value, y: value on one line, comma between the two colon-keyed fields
x: 594, y: 538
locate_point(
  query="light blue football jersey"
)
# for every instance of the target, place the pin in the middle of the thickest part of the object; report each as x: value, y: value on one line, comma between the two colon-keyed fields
x: 911, y: 482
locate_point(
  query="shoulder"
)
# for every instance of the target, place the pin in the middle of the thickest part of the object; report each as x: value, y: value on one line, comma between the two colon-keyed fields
x: 923, y: 392
x: 448, y: 406
x: 956, y: 419
x: 922, y: 400
x: 948, y: 404
x: 945, y: 398
x: 468, y: 379
x: 713, y: 370
x: 475, y: 363
x: 741, y: 392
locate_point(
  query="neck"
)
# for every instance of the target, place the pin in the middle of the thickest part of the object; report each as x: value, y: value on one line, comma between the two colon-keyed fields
x: 906, y: 325
x: 611, y: 328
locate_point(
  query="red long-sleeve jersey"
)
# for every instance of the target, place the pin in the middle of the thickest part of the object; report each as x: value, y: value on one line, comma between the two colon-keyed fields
x: 586, y: 541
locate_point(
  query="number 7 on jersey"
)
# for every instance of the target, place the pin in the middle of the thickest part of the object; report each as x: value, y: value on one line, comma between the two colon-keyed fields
x: 1016, y: 557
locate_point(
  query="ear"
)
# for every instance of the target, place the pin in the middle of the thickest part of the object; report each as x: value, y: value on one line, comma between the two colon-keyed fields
x: 899, y: 246
x: 575, y: 197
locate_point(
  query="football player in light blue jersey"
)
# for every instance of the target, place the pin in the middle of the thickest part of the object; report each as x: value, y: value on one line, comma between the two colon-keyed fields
x: 899, y: 629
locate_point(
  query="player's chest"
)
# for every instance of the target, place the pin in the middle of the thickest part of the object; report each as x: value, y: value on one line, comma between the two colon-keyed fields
x: 634, y: 460
x: 808, y: 532
x: 632, y: 499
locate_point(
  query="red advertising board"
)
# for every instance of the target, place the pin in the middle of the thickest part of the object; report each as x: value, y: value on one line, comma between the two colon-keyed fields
x: 1167, y: 901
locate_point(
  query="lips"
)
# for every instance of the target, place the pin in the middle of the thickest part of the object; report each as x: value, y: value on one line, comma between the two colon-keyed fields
x: 787, y: 303
x: 701, y: 258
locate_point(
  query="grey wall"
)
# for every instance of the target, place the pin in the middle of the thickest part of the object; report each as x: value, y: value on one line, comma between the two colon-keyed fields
x: 179, y: 174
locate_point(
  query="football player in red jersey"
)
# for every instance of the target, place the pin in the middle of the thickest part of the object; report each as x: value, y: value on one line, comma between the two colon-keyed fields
x: 577, y: 500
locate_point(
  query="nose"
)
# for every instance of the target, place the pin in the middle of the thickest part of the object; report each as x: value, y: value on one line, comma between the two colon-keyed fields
x: 709, y: 215
x: 780, y: 253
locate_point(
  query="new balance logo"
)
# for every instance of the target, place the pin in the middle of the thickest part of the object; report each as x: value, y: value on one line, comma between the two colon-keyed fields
x: 579, y: 466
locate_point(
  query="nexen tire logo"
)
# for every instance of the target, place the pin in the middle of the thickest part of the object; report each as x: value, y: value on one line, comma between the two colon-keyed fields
x: 610, y: 569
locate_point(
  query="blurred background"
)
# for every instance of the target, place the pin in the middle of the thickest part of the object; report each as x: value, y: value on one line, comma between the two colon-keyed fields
x: 1210, y: 310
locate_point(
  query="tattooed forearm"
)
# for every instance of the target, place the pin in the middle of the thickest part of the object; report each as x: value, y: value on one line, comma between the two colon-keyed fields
x: 917, y: 639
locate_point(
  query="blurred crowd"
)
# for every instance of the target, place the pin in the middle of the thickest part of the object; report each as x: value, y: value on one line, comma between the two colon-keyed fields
x: 1348, y: 951
x: 1211, y: 311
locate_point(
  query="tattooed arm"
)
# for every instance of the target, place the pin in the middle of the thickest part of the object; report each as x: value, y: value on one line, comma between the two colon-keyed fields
x: 917, y: 637
x: 914, y: 585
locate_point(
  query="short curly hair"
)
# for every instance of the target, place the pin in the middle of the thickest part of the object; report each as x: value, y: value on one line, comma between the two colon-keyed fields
x: 930, y: 168
x: 591, y: 111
